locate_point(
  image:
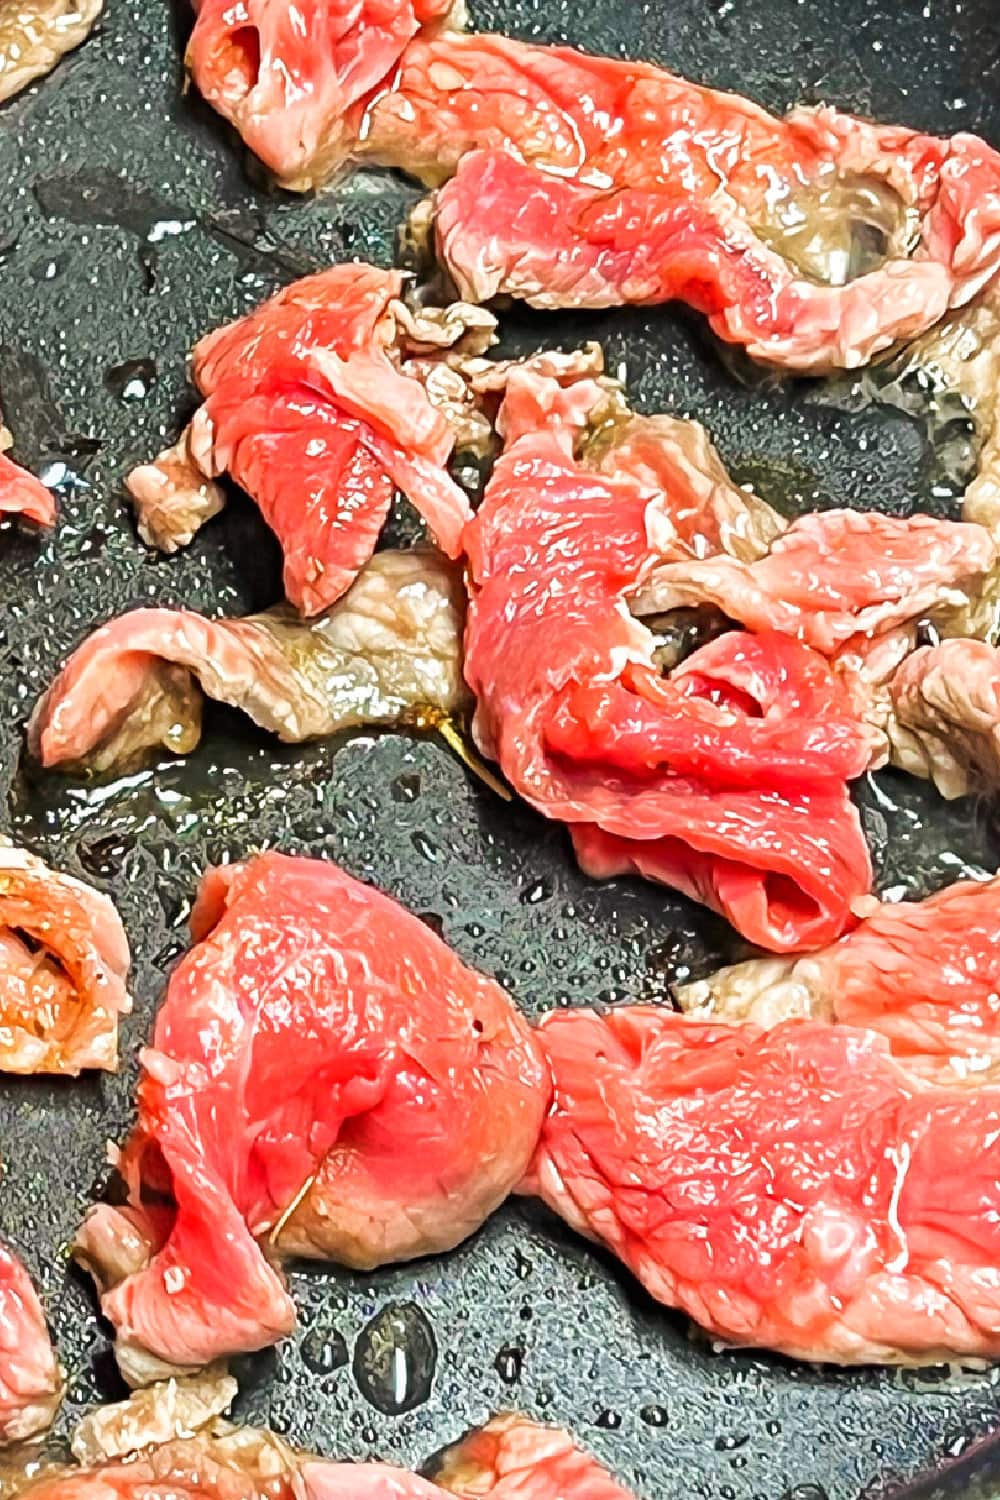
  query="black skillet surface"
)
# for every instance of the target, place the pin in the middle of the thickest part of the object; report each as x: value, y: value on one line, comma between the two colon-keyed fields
x: 133, y: 222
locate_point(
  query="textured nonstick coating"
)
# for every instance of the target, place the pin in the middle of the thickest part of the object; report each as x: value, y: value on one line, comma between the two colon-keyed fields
x: 132, y: 223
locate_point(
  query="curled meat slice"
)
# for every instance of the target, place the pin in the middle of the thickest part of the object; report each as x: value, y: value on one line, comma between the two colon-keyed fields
x: 816, y: 240
x: 35, y: 34
x: 287, y: 79
x: 924, y: 975
x: 834, y: 575
x: 728, y: 779
x: 31, y: 1382
x: 945, y: 718
x: 64, y: 962
x: 789, y: 1189
x: 308, y: 409
x: 21, y: 494
x: 326, y: 1076
x: 392, y: 644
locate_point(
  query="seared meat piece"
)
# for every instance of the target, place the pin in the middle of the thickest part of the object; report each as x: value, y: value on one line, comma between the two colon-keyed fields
x: 391, y: 645
x: 309, y: 408
x: 64, y: 962
x: 792, y: 1189
x: 727, y: 779
x: 326, y: 1077
x: 945, y: 716
x: 35, y: 34
x: 923, y: 974
x: 21, y: 494
x: 816, y: 240
x: 31, y: 1382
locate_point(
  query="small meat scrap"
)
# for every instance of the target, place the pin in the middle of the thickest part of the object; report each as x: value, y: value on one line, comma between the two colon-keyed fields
x: 168, y: 1441
x: 513, y: 1458
x: 21, y: 494
x: 326, y: 1079
x: 728, y: 779
x: 815, y: 241
x: 389, y: 647
x: 35, y: 34
x: 922, y: 974
x: 308, y: 408
x: 945, y: 716
x: 792, y: 1189
x: 64, y: 964
x: 31, y: 1382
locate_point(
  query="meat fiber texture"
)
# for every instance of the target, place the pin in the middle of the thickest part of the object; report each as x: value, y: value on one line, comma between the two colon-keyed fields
x: 64, y: 962
x: 35, y: 34
x: 390, y: 647
x: 31, y: 1382
x: 728, y: 779
x: 21, y: 494
x: 511, y: 1458
x: 792, y: 1189
x: 325, y: 1076
x: 924, y: 975
x: 588, y: 181
x: 307, y: 409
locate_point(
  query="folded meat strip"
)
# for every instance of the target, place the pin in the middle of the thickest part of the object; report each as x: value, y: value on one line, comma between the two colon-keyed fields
x: 945, y: 716
x: 64, y: 963
x: 308, y: 408
x: 35, y: 34
x: 390, y: 646
x: 816, y: 240
x: 326, y: 1077
x: 793, y: 1188
x: 31, y: 1382
x: 21, y: 494
x: 727, y: 779
x: 923, y: 974
x: 168, y: 1441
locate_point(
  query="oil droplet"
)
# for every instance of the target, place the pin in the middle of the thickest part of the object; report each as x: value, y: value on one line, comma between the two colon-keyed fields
x: 653, y: 1416
x: 131, y: 381
x: 406, y: 788
x: 424, y: 847
x: 394, y: 1359
x: 323, y: 1351
x: 729, y: 1441
x: 806, y: 1492
x: 539, y: 890
x: 522, y: 1265
x: 509, y: 1363
x: 609, y: 1420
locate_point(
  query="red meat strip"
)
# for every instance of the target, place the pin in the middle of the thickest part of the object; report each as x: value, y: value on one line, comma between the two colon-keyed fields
x: 324, y: 1072
x: 512, y: 1458
x: 64, y: 963
x: 21, y: 494
x: 31, y: 1383
x: 592, y: 181
x: 307, y: 410
x: 727, y: 780
x: 392, y: 644
x: 790, y: 1189
x: 35, y: 34
x: 925, y: 975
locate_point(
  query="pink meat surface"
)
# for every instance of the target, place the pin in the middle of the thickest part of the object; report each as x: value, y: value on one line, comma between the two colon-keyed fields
x: 324, y: 1072
x: 512, y: 1458
x: 792, y: 1189
x: 924, y: 975
x: 944, y: 720
x: 30, y: 1379
x: 21, y: 494
x: 727, y: 780
x: 64, y: 963
x: 579, y: 180
x: 306, y: 410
